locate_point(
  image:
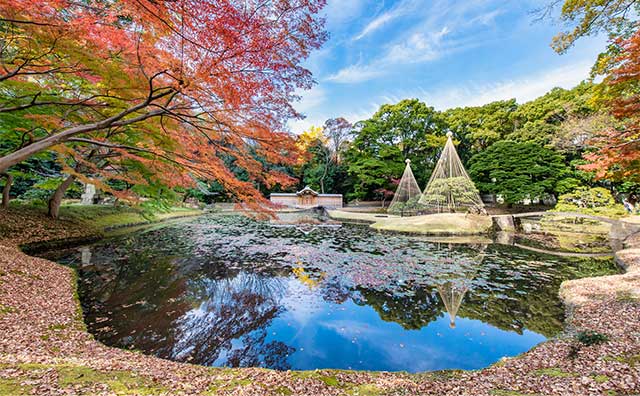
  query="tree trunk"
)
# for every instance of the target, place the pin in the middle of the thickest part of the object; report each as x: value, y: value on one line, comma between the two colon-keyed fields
x: 117, y: 120
x: 6, y: 190
x: 324, y: 174
x: 56, y: 197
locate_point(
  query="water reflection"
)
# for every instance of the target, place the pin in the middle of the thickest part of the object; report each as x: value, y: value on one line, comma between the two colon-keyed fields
x: 231, y: 321
x: 227, y: 291
x: 453, y: 286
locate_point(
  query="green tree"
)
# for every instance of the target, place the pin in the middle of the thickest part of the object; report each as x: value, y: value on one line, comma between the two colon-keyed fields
x: 479, y: 127
x: 539, y: 120
x: 371, y: 173
x: 409, y: 129
x: 321, y: 172
x: 518, y: 171
x: 596, y: 201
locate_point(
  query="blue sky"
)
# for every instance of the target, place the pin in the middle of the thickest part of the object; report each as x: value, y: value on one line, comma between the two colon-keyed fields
x: 446, y: 53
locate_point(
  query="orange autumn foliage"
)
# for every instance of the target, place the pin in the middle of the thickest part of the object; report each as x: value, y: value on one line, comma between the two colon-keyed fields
x: 178, y: 85
x: 618, y: 149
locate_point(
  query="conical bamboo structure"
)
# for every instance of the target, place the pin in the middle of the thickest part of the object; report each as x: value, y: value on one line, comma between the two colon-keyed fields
x: 405, y: 200
x: 450, y: 188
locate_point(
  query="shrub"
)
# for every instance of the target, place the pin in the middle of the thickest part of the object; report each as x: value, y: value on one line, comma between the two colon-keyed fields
x: 408, y: 208
x: 595, y: 201
x: 590, y: 337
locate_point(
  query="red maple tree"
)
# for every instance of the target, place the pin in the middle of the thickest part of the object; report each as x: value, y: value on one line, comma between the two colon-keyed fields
x: 618, y: 149
x: 185, y: 83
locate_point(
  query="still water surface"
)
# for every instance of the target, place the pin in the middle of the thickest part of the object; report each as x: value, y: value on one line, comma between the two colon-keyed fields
x: 230, y: 291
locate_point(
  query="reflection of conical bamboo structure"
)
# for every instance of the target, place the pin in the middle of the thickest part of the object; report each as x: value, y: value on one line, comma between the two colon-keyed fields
x: 452, y: 294
x: 405, y: 200
x: 450, y: 188
x: 454, y: 286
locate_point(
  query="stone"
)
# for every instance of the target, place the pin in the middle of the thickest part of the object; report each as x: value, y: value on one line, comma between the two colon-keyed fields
x: 89, y: 193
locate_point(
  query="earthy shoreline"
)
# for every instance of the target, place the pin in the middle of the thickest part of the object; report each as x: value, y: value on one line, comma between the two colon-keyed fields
x: 45, y: 349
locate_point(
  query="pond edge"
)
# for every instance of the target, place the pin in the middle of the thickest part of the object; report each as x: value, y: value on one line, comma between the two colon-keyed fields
x: 573, y: 293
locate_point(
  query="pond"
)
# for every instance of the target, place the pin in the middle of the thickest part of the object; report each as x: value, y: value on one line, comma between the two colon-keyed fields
x: 224, y: 290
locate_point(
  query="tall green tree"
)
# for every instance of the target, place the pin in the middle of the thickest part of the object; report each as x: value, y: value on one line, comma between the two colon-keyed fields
x: 409, y: 129
x: 539, y: 120
x: 518, y: 171
x: 479, y: 127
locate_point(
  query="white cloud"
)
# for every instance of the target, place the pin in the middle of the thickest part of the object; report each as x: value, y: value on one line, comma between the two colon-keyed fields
x: 420, y: 47
x: 356, y: 73
x: 399, y: 10
x: 339, y: 12
x: 310, y: 99
x: 375, y: 24
x: 486, y: 19
x: 523, y: 89
x: 471, y: 93
x: 442, y: 28
x: 417, y: 48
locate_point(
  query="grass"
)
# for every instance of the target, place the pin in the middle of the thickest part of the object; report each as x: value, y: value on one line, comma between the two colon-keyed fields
x: 120, y: 382
x: 553, y: 372
x: 71, y: 377
x: 283, y: 390
x: 328, y: 380
x: 630, y: 360
x: 600, y: 378
x: 103, y: 217
x: 57, y: 327
x: 12, y: 387
x: 79, y: 317
x: 227, y: 385
x: 4, y: 309
x: 443, y: 375
x: 627, y: 296
x: 365, y: 390
x: 438, y: 224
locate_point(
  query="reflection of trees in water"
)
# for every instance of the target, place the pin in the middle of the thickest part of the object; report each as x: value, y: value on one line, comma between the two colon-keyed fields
x: 509, y: 290
x: 522, y: 293
x: 147, y: 305
x: 443, y: 282
x: 211, y: 298
x: 335, y: 291
x: 412, y: 311
x: 120, y: 307
x: 256, y: 352
x: 238, y: 308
